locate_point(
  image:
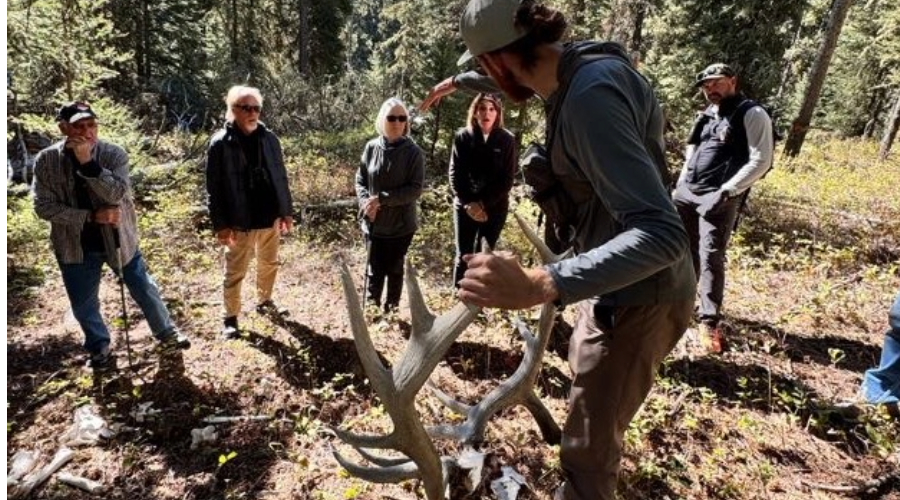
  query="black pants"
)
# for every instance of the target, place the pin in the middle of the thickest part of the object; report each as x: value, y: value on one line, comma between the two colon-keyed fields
x: 469, y: 233
x: 386, y: 257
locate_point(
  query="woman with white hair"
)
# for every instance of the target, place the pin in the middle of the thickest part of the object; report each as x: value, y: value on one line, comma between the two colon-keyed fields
x: 388, y: 184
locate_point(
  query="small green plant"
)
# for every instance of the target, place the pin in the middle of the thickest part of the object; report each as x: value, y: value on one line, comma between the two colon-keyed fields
x: 226, y: 457
x: 836, y: 355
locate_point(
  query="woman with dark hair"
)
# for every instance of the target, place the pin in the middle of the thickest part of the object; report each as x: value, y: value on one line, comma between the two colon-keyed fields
x: 388, y: 183
x: 482, y: 167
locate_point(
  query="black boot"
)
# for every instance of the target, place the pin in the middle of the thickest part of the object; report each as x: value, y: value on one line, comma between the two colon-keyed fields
x: 231, y: 330
x: 394, y: 290
x: 375, y: 287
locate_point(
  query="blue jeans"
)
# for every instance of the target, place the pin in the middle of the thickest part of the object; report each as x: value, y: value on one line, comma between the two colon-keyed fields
x: 82, y: 283
x: 882, y: 384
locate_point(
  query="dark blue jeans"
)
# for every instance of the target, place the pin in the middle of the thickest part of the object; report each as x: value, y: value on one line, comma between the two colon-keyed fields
x: 469, y: 233
x: 882, y: 384
x: 82, y: 282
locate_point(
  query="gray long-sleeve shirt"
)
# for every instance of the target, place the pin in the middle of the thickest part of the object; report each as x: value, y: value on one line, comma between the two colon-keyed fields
x: 631, y: 246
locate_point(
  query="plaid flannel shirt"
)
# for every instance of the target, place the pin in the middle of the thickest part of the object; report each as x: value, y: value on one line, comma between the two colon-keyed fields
x: 55, y: 199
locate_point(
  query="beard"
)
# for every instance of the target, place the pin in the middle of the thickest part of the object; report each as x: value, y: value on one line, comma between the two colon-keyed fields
x: 507, y: 82
x: 517, y: 92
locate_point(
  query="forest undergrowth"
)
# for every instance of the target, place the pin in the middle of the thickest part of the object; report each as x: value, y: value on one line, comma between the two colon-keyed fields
x: 812, y: 271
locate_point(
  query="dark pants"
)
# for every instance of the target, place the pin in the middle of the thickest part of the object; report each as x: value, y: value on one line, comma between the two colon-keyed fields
x: 469, y: 233
x: 386, y: 257
x: 614, y: 354
x: 709, y: 235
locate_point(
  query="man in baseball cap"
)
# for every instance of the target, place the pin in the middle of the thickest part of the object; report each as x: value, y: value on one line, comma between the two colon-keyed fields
x: 632, y: 281
x: 82, y: 186
x: 713, y: 72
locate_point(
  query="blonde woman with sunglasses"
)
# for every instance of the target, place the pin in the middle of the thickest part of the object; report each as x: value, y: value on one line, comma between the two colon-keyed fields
x: 388, y: 184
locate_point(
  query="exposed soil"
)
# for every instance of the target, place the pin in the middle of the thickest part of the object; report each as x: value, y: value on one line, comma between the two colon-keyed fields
x: 743, y: 425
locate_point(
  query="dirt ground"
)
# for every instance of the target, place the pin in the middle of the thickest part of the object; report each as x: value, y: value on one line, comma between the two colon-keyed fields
x: 744, y: 425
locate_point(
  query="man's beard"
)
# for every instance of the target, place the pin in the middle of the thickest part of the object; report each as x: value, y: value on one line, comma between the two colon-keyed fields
x: 517, y: 92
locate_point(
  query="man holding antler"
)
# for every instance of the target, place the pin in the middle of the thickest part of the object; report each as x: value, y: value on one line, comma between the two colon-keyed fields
x: 631, y: 277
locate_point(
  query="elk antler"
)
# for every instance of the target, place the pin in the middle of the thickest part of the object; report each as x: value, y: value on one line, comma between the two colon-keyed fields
x: 430, y: 339
x: 517, y: 389
x: 397, y: 387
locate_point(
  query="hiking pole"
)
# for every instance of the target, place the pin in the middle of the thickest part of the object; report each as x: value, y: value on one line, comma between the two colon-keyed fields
x: 115, y: 261
x: 368, y: 257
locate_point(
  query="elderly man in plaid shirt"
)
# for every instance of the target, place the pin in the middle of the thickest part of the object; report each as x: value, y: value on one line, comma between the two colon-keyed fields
x: 82, y: 187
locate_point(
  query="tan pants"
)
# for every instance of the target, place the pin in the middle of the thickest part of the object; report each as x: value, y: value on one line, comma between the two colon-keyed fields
x: 263, y: 243
x: 614, y: 354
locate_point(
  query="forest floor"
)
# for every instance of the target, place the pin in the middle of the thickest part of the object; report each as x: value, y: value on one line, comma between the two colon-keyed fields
x: 806, y: 311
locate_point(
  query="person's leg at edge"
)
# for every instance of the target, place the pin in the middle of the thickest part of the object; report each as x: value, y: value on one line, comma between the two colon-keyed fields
x: 613, y: 371
x: 82, y: 283
x: 881, y: 385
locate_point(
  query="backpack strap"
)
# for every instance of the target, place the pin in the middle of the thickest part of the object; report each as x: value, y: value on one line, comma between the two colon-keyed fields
x: 611, y: 50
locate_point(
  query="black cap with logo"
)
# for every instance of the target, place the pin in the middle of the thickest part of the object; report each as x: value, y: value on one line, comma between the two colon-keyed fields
x: 713, y: 71
x: 74, y: 111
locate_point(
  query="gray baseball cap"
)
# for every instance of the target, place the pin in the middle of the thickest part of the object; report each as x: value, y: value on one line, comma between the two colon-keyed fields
x: 488, y: 25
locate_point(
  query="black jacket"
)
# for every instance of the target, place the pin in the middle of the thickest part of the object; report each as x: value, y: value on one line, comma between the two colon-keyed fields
x: 227, y: 178
x: 720, y: 141
x: 396, y: 173
x: 483, y: 171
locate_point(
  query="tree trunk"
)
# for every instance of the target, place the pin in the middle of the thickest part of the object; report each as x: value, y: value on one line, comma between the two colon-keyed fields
x: 637, y: 35
x: 876, y: 105
x: 817, y: 74
x: 890, y: 130
x: 234, y: 33
x: 304, y: 38
x: 67, y: 23
x: 787, y: 72
x: 141, y: 55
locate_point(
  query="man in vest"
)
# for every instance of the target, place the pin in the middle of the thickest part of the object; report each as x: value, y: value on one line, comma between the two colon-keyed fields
x: 730, y: 148
x: 631, y: 279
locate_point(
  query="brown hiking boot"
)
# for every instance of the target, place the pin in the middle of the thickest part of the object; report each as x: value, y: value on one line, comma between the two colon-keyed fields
x: 712, y: 338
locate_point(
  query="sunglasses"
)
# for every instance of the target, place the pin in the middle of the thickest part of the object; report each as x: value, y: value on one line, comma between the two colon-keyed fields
x: 392, y: 118
x: 247, y: 108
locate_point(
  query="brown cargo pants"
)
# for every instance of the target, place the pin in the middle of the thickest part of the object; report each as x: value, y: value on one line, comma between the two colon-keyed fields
x: 614, y: 354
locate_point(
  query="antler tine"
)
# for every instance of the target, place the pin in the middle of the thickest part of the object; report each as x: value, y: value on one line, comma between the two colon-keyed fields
x: 547, y: 255
x: 396, y: 473
x: 377, y: 372
x: 519, y: 388
x: 397, y: 388
x: 422, y: 319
